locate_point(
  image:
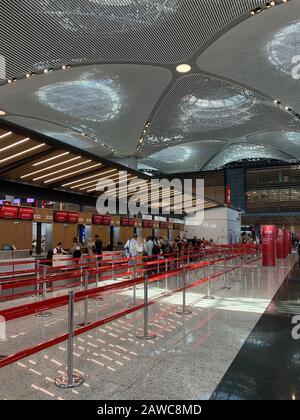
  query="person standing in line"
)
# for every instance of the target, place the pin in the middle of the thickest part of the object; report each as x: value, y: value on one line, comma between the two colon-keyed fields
x: 77, y: 249
x: 98, y: 247
x: 132, y: 250
x: 90, y: 247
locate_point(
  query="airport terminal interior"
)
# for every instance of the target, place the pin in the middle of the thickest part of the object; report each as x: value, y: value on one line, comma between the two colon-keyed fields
x: 150, y: 200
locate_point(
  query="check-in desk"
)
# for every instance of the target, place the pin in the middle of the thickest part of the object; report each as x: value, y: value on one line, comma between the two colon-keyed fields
x: 13, y: 259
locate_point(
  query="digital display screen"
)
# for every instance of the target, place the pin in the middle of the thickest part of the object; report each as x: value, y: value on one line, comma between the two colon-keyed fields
x: 61, y: 216
x: 73, y: 217
x: 9, y: 212
x: 26, y: 214
x: 97, y: 220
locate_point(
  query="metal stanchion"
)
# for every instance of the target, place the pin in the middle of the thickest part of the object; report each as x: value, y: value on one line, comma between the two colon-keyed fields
x: 208, y: 296
x: 37, y: 278
x: 44, y: 296
x: 146, y: 335
x: 184, y: 311
x: 133, y: 304
x: 97, y: 298
x: 71, y: 380
x: 226, y: 287
x: 112, y: 267
x: 86, y: 302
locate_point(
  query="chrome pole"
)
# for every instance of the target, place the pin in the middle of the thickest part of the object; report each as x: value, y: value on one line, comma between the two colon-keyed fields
x: 86, y: 302
x: 184, y: 311
x: 44, y: 296
x: 146, y: 335
x: 71, y: 380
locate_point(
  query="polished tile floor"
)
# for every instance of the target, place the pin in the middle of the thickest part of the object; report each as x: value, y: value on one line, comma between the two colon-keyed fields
x: 268, y: 365
x: 187, y: 360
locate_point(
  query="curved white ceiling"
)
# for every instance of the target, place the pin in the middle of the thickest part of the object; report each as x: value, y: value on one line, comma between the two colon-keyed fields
x: 262, y: 52
x: 123, y: 56
x: 108, y: 103
x: 43, y: 33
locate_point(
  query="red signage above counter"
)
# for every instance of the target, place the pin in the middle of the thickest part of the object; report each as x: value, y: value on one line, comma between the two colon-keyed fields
x: 131, y: 222
x: 106, y: 221
x: 147, y: 223
x: 97, y: 219
x: 73, y: 217
x: 124, y: 222
x: 9, y: 212
x: 164, y: 225
x: 26, y: 213
x: 61, y: 216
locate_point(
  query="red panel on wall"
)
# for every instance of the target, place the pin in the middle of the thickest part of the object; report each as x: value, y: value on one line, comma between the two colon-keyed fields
x: 73, y: 217
x: 280, y: 243
x: 131, y: 222
x: 147, y: 223
x: 97, y: 219
x: 9, y: 212
x: 106, y: 220
x: 26, y: 213
x: 164, y: 225
x: 290, y: 242
x: 124, y: 222
x: 268, y: 246
x: 61, y: 216
x: 285, y: 244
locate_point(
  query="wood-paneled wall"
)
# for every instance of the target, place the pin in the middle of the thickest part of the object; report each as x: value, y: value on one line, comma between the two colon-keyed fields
x: 146, y: 232
x: 103, y: 232
x: 17, y: 233
x: 64, y: 233
x: 126, y: 233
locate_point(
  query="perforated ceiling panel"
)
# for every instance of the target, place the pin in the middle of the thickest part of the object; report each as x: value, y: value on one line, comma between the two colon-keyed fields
x: 108, y: 103
x: 263, y: 52
x: 37, y: 34
x: 201, y: 107
x: 239, y: 152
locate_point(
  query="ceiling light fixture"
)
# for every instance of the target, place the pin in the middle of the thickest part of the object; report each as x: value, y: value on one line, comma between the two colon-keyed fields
x: 101, y: 182
x: 63, y: 170
x: 5, y: 135
x: 183, y: 68
x: 50, y: 167
x: 89, y: 177
x: 50, y: 159
x: 71, y: 174
x: 18, y: 143
x: 2, y: 113
x: 23, y: 153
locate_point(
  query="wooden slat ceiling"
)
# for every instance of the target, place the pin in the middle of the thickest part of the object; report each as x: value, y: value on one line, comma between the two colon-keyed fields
x: 37, y: 163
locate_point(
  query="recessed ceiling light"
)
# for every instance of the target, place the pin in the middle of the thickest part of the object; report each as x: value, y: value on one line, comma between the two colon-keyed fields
x: 183, y: 68
x: 2, y: 113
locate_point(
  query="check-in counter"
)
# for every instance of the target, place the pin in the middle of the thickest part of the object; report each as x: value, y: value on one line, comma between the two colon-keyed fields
x: 13, y: 259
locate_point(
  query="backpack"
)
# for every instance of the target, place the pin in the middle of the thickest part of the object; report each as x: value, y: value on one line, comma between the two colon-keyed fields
x: 156, y: 250
x: 50, y: 255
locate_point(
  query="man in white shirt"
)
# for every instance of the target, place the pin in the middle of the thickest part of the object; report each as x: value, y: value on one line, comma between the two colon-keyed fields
x: 132, y: 246
x: 150, y: 245
x: 58, y: 250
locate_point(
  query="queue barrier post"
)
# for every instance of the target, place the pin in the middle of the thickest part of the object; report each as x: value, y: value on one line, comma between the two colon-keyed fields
x: 44, y: 295
x: 85, y: 303
x: 133, y: 304
x: 37, y: 278
x: 146, y: 335
x: 208, y: 296
x: 225, y: 287
x: 97, y: 298
x: 71, y: 380
x: 184, y: 311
